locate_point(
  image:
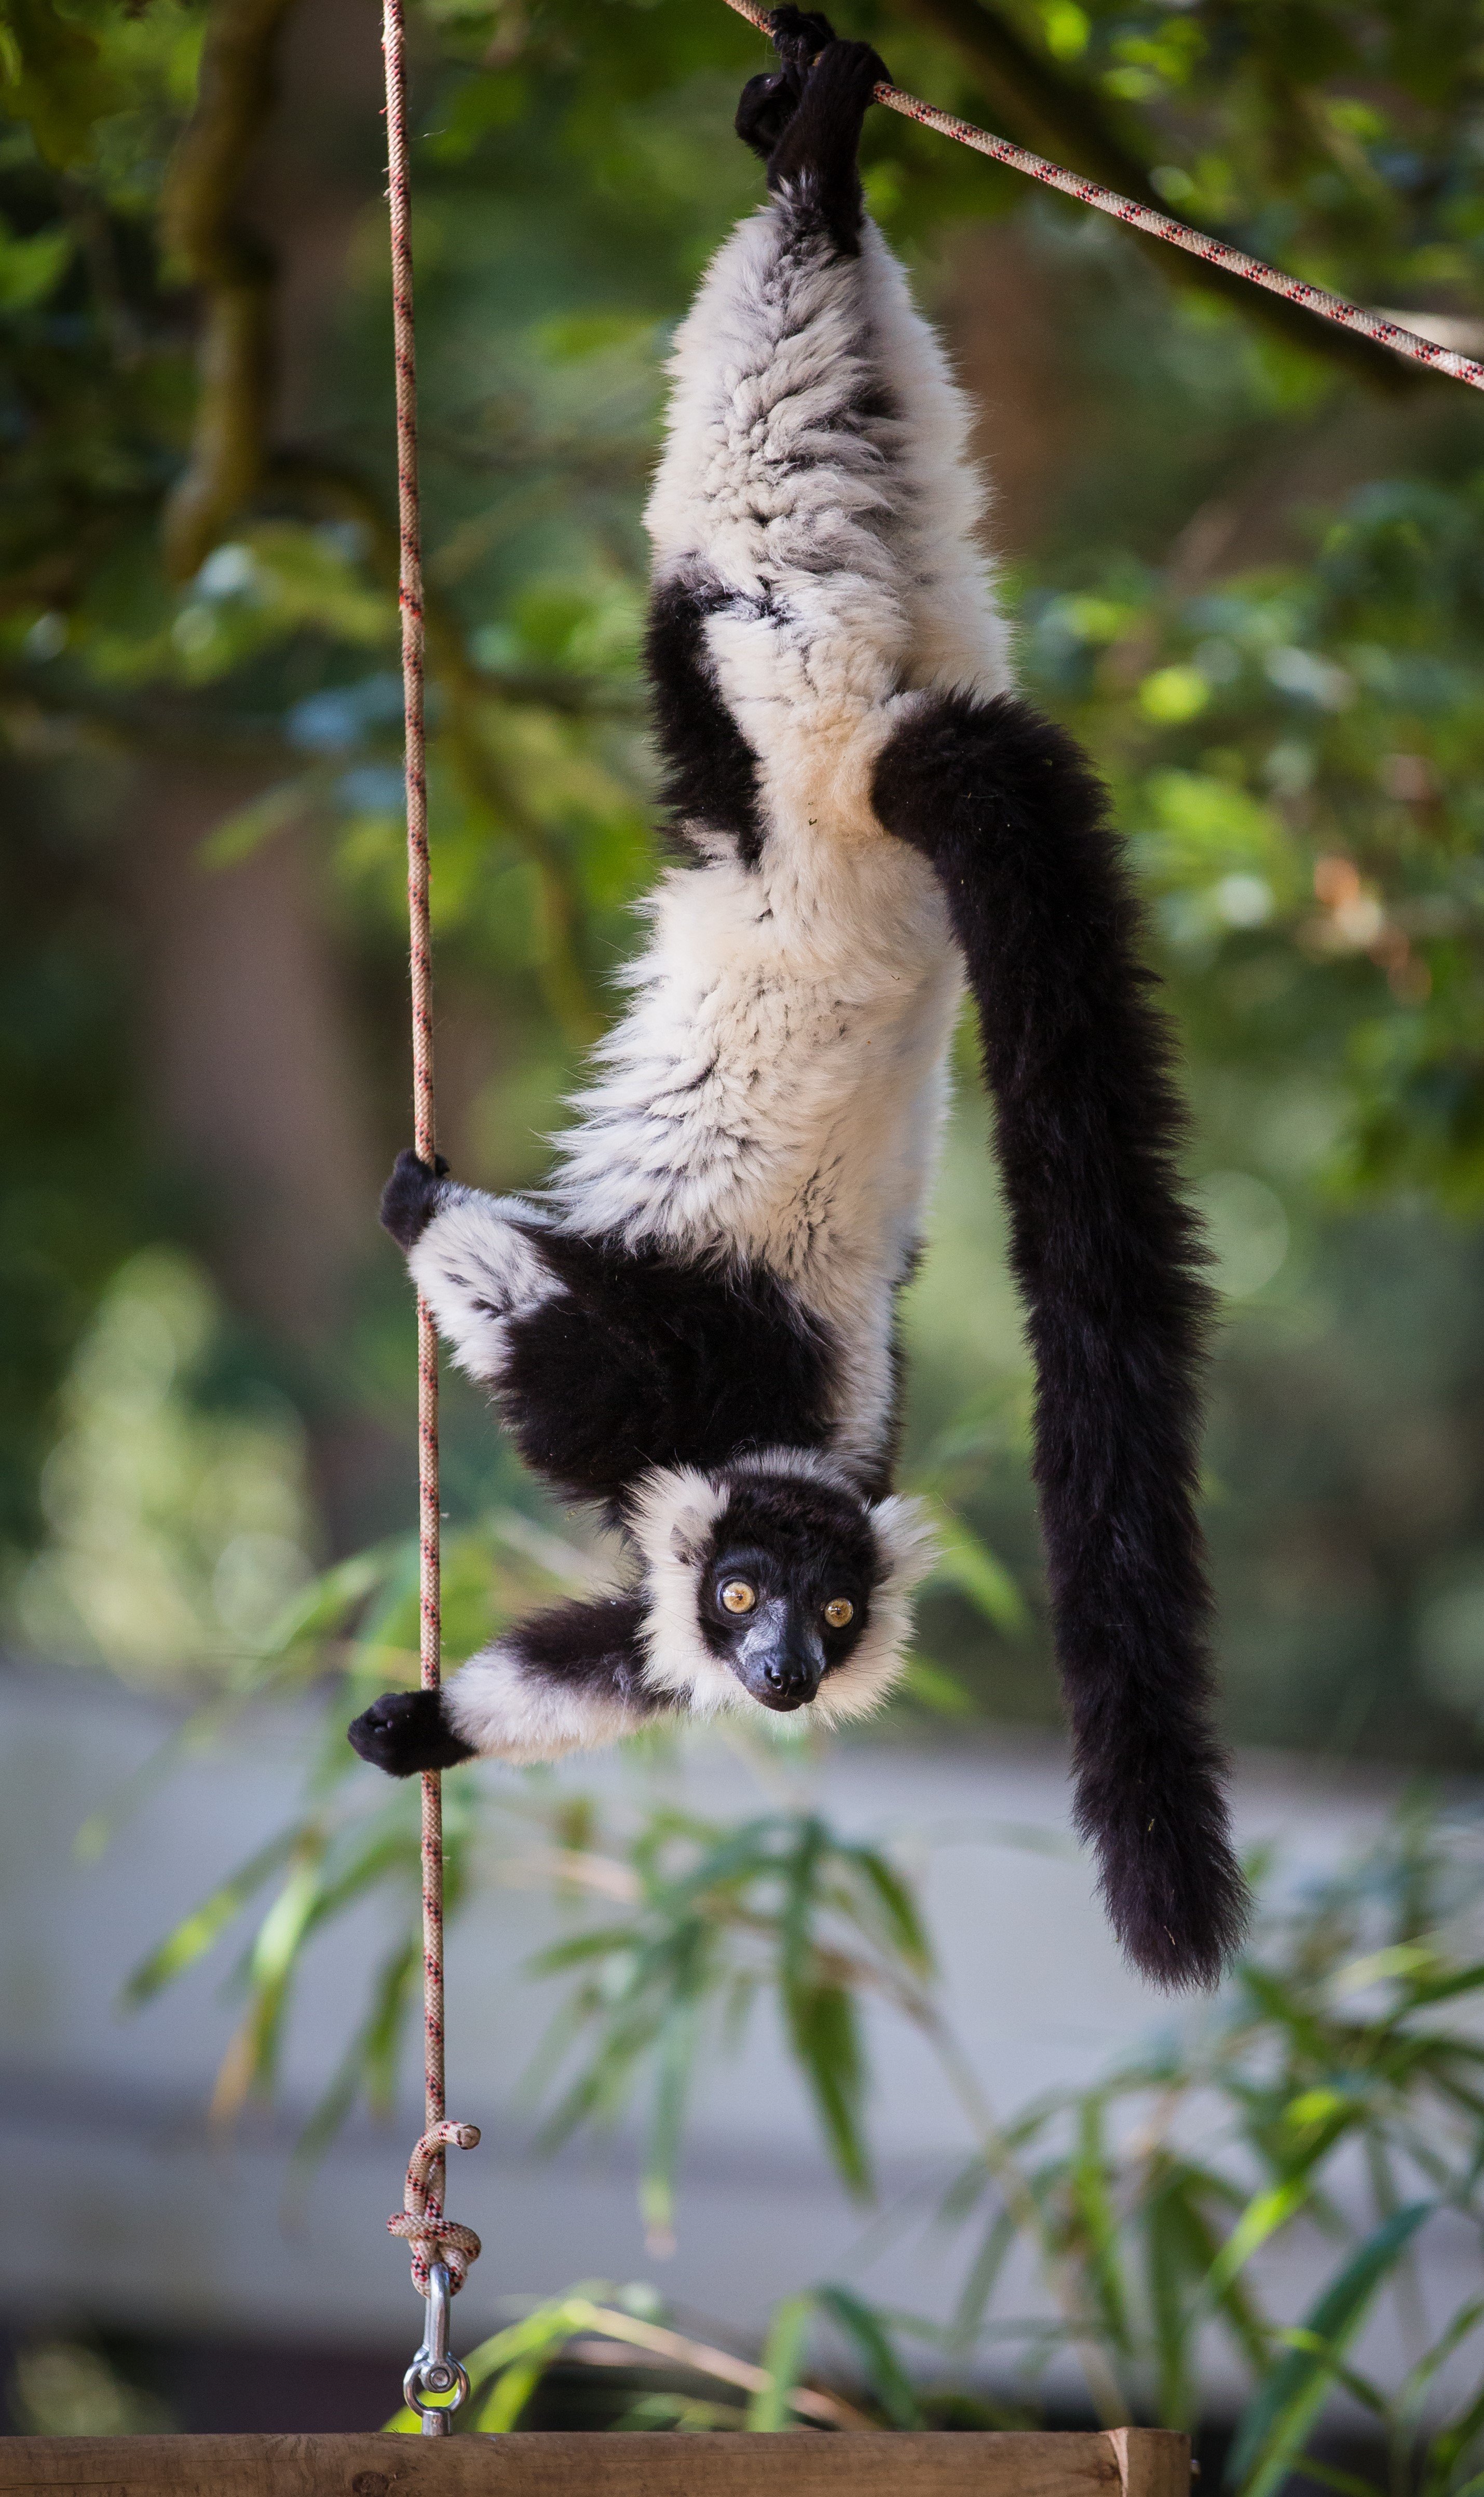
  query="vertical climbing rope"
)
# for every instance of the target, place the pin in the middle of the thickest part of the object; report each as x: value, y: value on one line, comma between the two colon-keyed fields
x: 421, y: 2218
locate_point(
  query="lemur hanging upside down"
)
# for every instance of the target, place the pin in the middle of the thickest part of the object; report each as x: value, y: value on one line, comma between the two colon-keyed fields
x: 696, y: 1326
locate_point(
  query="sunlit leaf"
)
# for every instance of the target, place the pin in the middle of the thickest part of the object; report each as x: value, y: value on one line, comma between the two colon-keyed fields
x: 1272, y: 2432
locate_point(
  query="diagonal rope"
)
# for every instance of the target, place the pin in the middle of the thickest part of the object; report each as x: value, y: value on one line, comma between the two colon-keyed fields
x: 1150, y: 221
x: 435, y: 2239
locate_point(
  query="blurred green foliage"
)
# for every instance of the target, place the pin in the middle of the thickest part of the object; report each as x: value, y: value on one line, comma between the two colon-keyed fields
x: 1247, y: 565
x: 1246, y: 574
x: 1333, y: 2100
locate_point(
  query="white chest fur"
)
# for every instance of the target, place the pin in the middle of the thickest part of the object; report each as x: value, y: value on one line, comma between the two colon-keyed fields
x: 775, y: 1090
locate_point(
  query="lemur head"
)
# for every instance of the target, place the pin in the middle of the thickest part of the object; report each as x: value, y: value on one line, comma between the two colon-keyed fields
x: 773, y: 1582
x: 784, y: 1583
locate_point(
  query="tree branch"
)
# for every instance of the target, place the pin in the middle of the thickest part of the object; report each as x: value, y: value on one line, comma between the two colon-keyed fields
x: 233, y: 267
x: 1067, y: 115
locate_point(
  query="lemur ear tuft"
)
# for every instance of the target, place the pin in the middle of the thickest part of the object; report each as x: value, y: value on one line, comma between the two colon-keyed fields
x: 908, y: 1542
x: 690, y: 1534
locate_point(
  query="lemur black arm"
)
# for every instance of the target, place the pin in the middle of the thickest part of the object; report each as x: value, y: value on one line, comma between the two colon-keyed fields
x: 1077, y: 1055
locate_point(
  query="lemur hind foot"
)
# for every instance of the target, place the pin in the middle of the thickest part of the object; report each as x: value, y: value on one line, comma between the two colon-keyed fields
x: 805, y: 119
x: 770, y: 101
x: 407, y: 1731
x: 411, y: 1197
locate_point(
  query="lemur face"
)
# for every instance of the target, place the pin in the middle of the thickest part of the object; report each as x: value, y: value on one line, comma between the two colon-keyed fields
x: 783, y: 1592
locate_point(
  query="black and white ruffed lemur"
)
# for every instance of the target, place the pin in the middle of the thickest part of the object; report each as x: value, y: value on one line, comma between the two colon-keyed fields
x: 696, y: 1326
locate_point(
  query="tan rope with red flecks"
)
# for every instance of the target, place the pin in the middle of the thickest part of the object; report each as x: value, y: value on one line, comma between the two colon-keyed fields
x: 1150, y: 221
x: 433, y: 2238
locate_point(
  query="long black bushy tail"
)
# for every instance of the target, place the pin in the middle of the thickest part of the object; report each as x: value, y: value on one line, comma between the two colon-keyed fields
x: 1078, y: 1057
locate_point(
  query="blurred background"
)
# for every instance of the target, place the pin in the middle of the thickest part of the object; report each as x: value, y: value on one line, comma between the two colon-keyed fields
x: 1244, y: 553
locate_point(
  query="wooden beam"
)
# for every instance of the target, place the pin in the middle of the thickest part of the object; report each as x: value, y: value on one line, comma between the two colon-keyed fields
x: 1123, y: 2462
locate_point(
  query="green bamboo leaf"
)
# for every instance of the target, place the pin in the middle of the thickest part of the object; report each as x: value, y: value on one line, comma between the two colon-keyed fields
x: 1092, y: 2197
x: 1298, y: 2336
x: 825, y: 2037
x: 1471, y: 2487
x: 319, y: 1608
x: 1285, y: 2007
x: 1443, y: 1989
x: 1264, y: 2216
x: 1273, y: 2428
x: 545, y: 2330
x: 981, y: 2279
x: 509, y: 2394
x: 596, y: 1943
x: 276, y: 1944
x: 1232, y: 2302
x: 1455, y: 2334
x: 884, y: 2372
x: 196, y: 1933
x: 966, y: 1562
x: 904, y: 1922
x: 1167, y: 2257
x: 769, y: 2410
x: 936, y: 1688
x: 678, y: 2411
x: 1346, y: 2484
x: 1447, y: 2448
x: 677, y: 2047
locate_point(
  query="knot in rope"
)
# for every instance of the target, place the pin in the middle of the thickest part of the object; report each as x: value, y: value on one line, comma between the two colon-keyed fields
x: 421, y: 2221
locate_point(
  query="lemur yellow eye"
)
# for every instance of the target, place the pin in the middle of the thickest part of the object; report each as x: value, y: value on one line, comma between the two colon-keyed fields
x: 737, y: 1596
x: 839, y: 1611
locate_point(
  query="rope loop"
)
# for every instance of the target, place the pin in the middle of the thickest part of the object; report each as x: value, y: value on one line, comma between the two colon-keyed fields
x: 421, y: 2221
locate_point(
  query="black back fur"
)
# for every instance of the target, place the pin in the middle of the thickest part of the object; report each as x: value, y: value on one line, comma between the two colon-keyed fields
x: 710, y: 771
x: 645, y: 1361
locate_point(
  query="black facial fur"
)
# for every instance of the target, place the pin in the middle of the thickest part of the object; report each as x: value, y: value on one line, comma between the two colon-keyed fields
x: 1009, y: 811
x: 796, y: 1545
x: 644, y: 1361
x: 411, y: 1197
x: 405, y: 1731
x: 710, y: 771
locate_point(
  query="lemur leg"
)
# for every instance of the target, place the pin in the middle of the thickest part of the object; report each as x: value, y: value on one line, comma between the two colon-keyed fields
x: 606, y: 1361
x: 476, y: 1260
x: 569, y: 1679
x: 777, y: 606
x: 1077, y: 1056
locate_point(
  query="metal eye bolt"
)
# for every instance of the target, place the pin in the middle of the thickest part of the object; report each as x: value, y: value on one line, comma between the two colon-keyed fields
x: 432, y: 2370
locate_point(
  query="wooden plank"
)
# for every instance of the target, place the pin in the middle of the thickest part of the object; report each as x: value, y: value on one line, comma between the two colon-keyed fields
x: 1123, y: 2462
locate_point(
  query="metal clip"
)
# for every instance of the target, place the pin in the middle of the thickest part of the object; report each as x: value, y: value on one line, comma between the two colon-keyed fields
x: 432, y: 2370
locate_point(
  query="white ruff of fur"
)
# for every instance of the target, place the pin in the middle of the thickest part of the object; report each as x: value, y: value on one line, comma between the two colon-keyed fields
x: 476, y: 1268
x: 508, y: 1712
x: 671, y: 1520
x: 776, y: 1091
